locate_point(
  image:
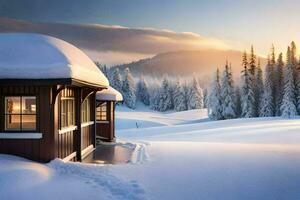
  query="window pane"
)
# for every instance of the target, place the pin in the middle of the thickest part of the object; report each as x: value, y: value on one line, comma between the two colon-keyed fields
x: 28, y: 105
x: 13, y: 122
x: 63, y: 115
x: 101, y: 112
x: 12, y: 105
x: 28, y: 122
x: 70, y: 116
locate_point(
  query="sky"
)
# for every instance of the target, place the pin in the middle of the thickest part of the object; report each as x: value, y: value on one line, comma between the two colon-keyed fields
x: 237, y: 23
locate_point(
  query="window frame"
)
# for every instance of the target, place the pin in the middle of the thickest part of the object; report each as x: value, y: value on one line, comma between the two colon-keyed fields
x: 67, y: 112
x: 4, y: 114
x: 86, y: 111
x: 99, y: 112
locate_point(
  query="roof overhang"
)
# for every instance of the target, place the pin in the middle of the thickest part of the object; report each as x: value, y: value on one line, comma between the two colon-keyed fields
x: 109, y: 94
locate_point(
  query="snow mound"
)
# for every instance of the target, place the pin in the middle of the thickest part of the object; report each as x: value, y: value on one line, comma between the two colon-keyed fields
x: 36, y: 56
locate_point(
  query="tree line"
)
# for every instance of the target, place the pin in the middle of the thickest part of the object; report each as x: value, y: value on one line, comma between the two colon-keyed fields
x: 275, y: 94
x: 167, y: 94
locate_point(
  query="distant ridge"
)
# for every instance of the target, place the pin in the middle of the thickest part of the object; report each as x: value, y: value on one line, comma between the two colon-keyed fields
x: 202, y: 63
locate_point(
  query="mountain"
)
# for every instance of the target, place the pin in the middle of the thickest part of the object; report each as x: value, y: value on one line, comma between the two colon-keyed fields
x: 201, y: 63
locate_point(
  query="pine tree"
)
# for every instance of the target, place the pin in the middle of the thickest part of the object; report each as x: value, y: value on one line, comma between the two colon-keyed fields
x: 142, y: 91
x: 288, y: 108
x: 247, y: 93
x: 227, y: 94
x: 278, y: 84
x: 267, y: 106
x: 256, y: 78
x: 195, y: 100
x: 154, y: 98
x: 116, y: 80
x: 179, y: 99
x: 128, y: 90
x: 164, y: 97
x: 205, y: 98
x: 215, y: 103
x: 259, y: 88
x: 252, y: 63
x: 238, y: 102
x: 186, y: 91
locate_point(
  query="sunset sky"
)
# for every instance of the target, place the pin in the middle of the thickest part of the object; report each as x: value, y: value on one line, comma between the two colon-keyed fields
x: 238, y: 24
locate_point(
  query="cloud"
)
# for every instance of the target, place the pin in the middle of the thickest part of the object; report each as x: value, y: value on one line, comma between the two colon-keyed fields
x: 117, y: 44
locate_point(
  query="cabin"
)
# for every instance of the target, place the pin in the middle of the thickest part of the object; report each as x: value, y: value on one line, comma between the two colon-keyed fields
x: 54, y: 99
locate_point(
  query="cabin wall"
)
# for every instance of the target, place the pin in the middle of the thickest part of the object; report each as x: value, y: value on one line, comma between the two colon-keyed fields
x: 34, y: 149
x: 105, y: 130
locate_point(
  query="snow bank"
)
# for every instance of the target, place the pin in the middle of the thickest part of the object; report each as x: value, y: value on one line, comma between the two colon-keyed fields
x: 35, y: 56
x: 21, y: 178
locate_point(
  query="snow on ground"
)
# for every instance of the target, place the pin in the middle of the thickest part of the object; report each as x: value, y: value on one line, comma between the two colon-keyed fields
x: 143, y: 117
x: 179, y: 159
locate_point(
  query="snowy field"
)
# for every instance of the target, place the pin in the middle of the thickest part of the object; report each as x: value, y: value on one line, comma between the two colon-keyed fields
x: 179, y: 156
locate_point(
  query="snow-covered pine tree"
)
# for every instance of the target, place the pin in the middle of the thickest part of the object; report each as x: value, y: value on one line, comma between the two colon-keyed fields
x: 252, y: 62
x: 116, y: 80
x: 267, y: 106
x: 288, y: 108
x: 186, y: 90
x: 227, y: 94
x: 178, y: 96
x: 259, y: 87
x: 195, y: 100
x: 215, y: 104
x: 247, y: 93
x: 128, y: 90
x: 205, y: 98
x: 278, y: 84
x: 253, y: 72
x: 238, y: 109
x: 154, y: 97
x: 142, y: 91
x: 171, y: 93
x: 164, y: 97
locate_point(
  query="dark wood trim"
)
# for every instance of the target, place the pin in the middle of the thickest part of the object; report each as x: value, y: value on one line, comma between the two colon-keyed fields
x: 86, y: 92
x: 77, y: 139
x: 55, y: 92
x: 93, y: 113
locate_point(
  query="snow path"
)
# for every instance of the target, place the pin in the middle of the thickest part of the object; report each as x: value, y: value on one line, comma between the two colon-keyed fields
x: 101, y: 177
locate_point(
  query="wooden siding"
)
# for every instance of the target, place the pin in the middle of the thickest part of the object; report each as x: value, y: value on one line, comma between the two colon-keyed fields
x: 35, y: 149
x: 65, y: 143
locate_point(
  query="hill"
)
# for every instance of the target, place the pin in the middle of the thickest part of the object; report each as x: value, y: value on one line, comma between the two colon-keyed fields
x: 202, y: 63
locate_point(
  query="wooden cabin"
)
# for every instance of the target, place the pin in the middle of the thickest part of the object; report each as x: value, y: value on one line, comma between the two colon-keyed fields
x: 48, y: 101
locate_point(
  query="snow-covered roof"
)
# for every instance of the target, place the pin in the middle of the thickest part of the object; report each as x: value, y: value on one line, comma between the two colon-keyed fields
x: 109, y: 94
x: 36, y: 56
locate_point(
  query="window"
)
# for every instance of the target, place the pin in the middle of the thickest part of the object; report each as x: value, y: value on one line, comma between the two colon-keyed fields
x: 101, y: 112
x: 20, y: 113
x: 67, y: 109
x: 85, y: 111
